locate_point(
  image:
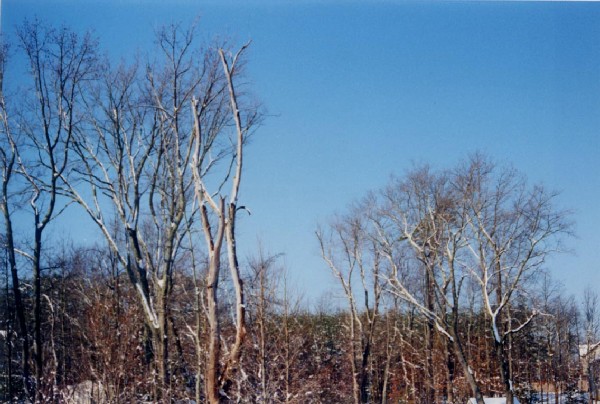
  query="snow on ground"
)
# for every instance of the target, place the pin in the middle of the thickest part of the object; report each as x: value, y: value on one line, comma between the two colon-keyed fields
x: 546, y: 398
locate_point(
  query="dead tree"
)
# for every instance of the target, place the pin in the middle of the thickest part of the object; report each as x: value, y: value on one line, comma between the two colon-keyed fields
x: 218, y: 213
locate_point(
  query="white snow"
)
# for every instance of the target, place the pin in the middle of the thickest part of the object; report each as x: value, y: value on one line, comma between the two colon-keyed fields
x: 495, y: 400
x: 592, y: 349
x: 440, y: 329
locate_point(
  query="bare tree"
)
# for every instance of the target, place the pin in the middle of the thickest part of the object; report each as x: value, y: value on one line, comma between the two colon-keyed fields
x: 420, y: 224
x: 141, y: 157
x: 61, y: 64
x: 292, y: 348
x: 355, y: 261
x: 265, y: 327
x: 8, y: 159
x: 513, y: 228
x: 223, y: 208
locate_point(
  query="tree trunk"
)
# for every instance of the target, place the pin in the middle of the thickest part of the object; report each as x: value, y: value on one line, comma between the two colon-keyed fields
x: 262, y: 335
x: 214, y: 344
x: 504, y: 370
x: 16, y: 289
x: 429, y: 335
x: 364, y: 372
x: 232, y: 364
x: 458, y: 350
x: 160, y: 342
x: 37, y: 311
x: 449, y: 374
x: 353, y: 364
x: 590, y: 375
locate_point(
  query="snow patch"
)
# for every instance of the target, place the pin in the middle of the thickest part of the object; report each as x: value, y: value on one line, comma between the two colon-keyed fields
x: 495, y: 400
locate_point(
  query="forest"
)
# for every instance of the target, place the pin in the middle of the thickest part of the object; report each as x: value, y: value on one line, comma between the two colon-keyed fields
x: 446, y: 293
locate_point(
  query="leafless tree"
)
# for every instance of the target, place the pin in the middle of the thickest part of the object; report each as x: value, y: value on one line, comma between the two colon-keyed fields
x: 513, y: 228
x: 289, y: 340
x: 355, y: 261
x: 61, y: 64
x: 8, y: 159
x: 139, y: 156
x: 420, y: 224
x: 266, y: 279
x: 557, y: 325
x: 221, y: 232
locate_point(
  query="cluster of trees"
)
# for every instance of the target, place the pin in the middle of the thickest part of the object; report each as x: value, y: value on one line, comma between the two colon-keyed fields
x: 464, y: 250
x: 441, y: 272
x: 96, y: 344
x: 152, y: 152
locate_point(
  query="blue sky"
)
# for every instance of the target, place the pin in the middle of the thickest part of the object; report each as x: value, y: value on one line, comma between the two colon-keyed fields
x: 357, y: 91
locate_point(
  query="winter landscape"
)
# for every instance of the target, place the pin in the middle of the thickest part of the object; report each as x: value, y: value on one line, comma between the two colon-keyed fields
x: 296, y: 202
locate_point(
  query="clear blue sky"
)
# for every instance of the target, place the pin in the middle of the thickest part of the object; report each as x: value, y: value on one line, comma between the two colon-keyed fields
x: 361, y: 90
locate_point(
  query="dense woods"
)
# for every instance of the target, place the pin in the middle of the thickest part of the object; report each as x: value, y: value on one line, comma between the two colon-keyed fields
x: 442, y: 272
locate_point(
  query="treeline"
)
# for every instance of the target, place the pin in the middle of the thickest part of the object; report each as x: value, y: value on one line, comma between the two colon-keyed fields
x: 96, y: 344
x: 442, y: 272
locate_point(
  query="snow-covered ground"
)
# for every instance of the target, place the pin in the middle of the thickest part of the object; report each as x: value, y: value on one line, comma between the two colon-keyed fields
x: 546, y: 398
x: 493, y: 400
x: 550, y: 398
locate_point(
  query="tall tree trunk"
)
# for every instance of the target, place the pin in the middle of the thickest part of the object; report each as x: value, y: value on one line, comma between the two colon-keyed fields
x: 37, y: 311
x: 468, y: 372
x: 262, y: 335
x: 364, y: 373
x: 161, y: 344
x: 590, y: 377
x: 8, y: 325
x: 429, y: 336
x: 504, y: 370
x: 353, y: 364
x: 460, y: 355
x: 449, y: 373
x: 214, y: 343
x: 16, y: 289
x: 213, y: 366
x: 233, y: 362
x: 499, y: 345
